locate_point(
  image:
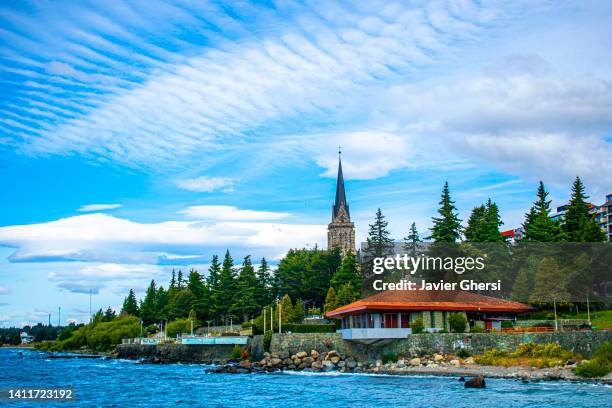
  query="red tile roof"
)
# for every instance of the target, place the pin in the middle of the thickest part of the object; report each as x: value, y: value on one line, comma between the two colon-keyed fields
x: 398, y: 300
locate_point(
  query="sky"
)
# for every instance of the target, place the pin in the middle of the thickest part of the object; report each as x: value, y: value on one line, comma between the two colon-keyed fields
x: 141, y: 136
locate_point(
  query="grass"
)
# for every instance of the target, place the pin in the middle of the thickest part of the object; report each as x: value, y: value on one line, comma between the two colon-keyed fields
x: 528, y: 354
x: 600, y: 319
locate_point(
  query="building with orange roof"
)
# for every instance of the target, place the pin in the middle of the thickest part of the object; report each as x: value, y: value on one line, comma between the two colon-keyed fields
x: 389, y: 314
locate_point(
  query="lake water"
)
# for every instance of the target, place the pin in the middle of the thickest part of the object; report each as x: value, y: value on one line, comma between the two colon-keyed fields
x: 120, y: 383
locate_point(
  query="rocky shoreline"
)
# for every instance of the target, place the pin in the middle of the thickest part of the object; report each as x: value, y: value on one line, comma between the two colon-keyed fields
x: 435, y: 365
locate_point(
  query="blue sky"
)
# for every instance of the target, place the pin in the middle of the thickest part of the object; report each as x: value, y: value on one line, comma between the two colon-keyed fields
x: 140, y: 136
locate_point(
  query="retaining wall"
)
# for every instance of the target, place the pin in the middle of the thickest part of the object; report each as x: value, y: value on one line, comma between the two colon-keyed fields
x: 584, y: 343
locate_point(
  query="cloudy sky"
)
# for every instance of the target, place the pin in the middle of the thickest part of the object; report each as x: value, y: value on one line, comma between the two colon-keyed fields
x: 141, y: 136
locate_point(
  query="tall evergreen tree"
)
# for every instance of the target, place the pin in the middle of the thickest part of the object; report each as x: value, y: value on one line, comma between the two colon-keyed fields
x: 298, y: 312
x: 379, y: 242
x: 130, y: 305
x: 148, y: 307
x: 263, y: 288
x: 245, y: 304
x: 180, y: 283
x: 197, y: 287
x: 286, y: 309
x: 212, y: 282
x: 538, y: 226
x: 161, y: 301
x: 411, y: 241
x: 491, y: 223
x: 109, y: 315
x: 348, y: 273
x: 578, y: 224
x: 224, y: 296
x: 446, y: 227
x: 331, y: 300
x: 473, y: 231
x: 346, y: 294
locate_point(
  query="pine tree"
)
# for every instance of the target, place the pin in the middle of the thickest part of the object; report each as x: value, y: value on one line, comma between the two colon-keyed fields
x: 212, y: 282
x: 379, y: 243
x: 161, y: 301
x: 446, y: 227
x: 286, y: 309
x: 491, y: 223
x: 224, y: 296
x: 263, y: 289
x: 130, y: 305
x: 245, y: 304
x: 197, y: 287
x: 538, y: 226
x: 109, y: 315
x: 346, y: 294
x: 172, y: 281
x: 578, y: 224
x: 148, y: 307
x: 550, y: 284
x: 298, y: 312
x: 522, y: 287
x: 473, y: 231
x: 411, y: 241
x: 348, y: 273
x: 331, y: 300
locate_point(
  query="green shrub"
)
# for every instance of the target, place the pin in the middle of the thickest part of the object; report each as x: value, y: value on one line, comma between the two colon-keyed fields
x: 389, y: 358
x: 476, y: 329
x: 267, y: 339
x: 308, y: 328
x: 236, y: 352
x: 493, y: 357
x: 463, y: 353
x: 457, y: 322
x: 592, y: 368
x: 443, y: 331
x: 246, y: 325
x: 507, y: 324
x: 417, y: 326
x: 604, y: 352
x: 178, y: 326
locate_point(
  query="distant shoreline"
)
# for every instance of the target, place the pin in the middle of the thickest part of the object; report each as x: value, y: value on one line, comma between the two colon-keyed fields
x: 18, y: 346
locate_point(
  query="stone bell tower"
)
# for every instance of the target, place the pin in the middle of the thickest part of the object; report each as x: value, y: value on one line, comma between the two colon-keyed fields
x: 341, y: 231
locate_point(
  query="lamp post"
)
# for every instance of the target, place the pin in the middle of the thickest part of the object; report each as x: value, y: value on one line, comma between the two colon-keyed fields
x: 280, y: 308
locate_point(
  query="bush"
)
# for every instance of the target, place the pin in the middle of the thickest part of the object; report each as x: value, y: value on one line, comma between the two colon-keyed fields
x: 463, y: 353
x: 600, y: 365
x: 443, y: 331
x: 476, y: 329
x: 507, y: 324
x: 267, y: 339
x: 178, y: 326
x: 494, y: 357
x: 246, y: 325
x: 309, y: 328
x: 592, y: 368
x: 389, y: 358
x: 457, y: 322
x: 236, y: 352
x: 417, y: 326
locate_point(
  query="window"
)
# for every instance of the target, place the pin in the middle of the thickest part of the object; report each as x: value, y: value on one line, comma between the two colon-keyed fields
x: 405, y: 320
x: 390, y: 320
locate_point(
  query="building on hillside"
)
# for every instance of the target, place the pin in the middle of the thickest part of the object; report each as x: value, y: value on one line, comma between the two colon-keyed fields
x: 341, y: 231
x: 389, y: 314
x: 513, y: 235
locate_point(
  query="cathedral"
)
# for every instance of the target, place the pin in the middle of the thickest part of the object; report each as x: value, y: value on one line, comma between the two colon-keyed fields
x: 341, y: 231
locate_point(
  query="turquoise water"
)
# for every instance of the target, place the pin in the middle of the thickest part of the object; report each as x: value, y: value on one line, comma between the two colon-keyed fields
x: 120, y: 383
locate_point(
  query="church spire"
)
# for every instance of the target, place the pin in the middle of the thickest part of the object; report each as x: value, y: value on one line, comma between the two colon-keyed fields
x: 340, y: 194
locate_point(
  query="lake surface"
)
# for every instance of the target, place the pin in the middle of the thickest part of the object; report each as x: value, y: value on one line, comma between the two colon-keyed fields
x: 120, y: 383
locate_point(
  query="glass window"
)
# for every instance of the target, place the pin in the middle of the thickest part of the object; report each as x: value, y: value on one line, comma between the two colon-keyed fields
x: 405, y: 323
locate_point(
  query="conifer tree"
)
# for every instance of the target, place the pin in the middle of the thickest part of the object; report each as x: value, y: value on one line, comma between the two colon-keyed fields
x: 473, y: 231
x: 263, y: 289
x: 172, y: 281
x: 161, y: 301
x: 197, y: 287
x: 346, y: 294
x: 379, y: 242
x: 411, y: 241
x: 522, y: 287
x: 245, y: 304
x: 224, y: 296
x: 180, y: 283
x: 286, y: 309
x: 491, y: 223
x: 109, y: 315
x: 446, y: 227
x: 549, y: 284
x: 538, y: 226
x: 148, y: 307
x: 331, y: 300
x: 298, y: 312
x: 348, y: 273
x: 578, y: 224
x: 130, y: 305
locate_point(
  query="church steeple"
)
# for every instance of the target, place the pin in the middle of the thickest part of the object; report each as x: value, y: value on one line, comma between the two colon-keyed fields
x: 340, y: 194
x: 341, y: 231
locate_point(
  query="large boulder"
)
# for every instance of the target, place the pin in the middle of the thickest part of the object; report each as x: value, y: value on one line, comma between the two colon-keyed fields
x: 314, y: 354
x: 475, y: 382
x: 301, y: 354
x: 332, y: 353
x: 438, y: 358
x: 328, y: 366
x: 275, y: 362
x: 415, y: 362
x: 335, y: 359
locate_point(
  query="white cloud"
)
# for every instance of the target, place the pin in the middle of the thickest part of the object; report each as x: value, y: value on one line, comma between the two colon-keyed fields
x: 4, y: 291
x: 229, y: 213
x: 205, y: 184
x: 103, y: 238
x: 98, y: 207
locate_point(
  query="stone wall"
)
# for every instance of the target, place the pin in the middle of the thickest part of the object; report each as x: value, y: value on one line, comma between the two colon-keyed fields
x: 584, y: 343
x: 172, y: 353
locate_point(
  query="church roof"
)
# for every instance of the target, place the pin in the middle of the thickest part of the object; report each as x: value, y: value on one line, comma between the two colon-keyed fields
x: 340, y: 194
x: 456, y: 300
